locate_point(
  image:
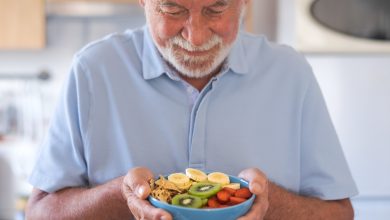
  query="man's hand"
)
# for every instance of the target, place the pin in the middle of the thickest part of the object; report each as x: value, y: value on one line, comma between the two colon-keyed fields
x: 258, y: 185
x: 135, y: 190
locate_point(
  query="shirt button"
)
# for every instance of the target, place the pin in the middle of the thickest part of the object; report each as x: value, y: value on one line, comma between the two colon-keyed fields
x: 190, y: 90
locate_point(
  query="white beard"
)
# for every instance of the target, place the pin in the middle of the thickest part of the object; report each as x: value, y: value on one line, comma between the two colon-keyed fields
x: 197, y: 66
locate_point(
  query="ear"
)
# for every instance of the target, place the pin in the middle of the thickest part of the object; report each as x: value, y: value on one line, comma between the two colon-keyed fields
x: 142, y: 2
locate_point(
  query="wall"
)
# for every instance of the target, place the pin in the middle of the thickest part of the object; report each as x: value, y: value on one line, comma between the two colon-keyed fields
x: 357, y: 90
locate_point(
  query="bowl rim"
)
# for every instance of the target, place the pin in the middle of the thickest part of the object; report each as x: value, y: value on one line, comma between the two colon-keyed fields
x: 237, y: 179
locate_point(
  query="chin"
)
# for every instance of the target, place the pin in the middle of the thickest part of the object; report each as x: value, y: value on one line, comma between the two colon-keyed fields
x: 204, y: 70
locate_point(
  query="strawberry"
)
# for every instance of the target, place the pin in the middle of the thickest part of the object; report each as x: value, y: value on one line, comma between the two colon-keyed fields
x: 236, y: 200
x: 213, y: 202
x: 223, y: 196
x: 243, y: 193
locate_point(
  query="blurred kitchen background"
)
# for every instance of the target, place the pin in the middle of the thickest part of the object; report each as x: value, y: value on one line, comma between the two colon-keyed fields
x: 347, y: 42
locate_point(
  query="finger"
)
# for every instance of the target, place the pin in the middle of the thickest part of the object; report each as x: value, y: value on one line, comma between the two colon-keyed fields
x: 258, y: 184
x: 142, y: 209
x: 257, y: 211
x: 137, y: 182
x: 257, y: 180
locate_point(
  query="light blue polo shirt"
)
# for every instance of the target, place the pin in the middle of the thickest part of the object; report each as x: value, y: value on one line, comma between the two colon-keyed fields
x: 122, y: 107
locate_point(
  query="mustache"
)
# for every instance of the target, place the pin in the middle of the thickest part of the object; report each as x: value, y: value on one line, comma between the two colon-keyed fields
x: 178, y: 40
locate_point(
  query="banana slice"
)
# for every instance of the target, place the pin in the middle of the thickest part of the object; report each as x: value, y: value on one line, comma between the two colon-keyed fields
x: 218, y: 177
x: 179, y: 179
x: 196, y: 174
x: 232, y: 186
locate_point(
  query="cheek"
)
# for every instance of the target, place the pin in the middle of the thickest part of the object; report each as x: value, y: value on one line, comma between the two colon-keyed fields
x: 228, y: 34
x: 227, y: 29
x: 163, y: 30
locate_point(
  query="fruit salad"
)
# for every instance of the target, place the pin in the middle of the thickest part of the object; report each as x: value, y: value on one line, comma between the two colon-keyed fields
x: 196, y: 189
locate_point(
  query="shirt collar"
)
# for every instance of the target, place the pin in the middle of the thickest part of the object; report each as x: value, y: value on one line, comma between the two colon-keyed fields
x: 237, y: 57
x: 154, y: 66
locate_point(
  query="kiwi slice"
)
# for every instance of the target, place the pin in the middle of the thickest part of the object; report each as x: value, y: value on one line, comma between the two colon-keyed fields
x: 204, y: 190
x: 187, y: 200
x: 204, y: 201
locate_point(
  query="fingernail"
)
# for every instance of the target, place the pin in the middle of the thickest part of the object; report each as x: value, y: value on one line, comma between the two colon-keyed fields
x: 163, y: 217
x: 140, y: 191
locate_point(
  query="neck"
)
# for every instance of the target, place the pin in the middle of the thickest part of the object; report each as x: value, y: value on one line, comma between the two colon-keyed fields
x: 200, y: 83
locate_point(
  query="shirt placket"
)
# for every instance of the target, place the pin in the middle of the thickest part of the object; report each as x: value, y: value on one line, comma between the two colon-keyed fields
x: 198, y: 123
x: 193, y: 95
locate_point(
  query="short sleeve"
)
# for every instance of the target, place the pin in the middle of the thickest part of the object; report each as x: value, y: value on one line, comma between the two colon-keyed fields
x: 324, y: 171
x: 61, y: 162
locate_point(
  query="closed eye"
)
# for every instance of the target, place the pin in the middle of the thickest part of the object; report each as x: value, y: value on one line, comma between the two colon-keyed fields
x: 217, y: 8
x: 172, y: 9
x: 213, y: 11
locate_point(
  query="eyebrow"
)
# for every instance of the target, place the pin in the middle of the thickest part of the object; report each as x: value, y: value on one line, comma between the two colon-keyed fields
x: 168, y: 3
x: 220, y: 3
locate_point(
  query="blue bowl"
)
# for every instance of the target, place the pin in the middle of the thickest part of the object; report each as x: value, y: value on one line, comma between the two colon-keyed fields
x: 228, y: 213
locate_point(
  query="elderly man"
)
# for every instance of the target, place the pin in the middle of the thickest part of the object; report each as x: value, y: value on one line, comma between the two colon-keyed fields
x: 190, y: 90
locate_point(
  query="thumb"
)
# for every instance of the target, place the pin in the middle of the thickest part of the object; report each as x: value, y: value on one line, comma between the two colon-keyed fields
x: 136, y: 182
x: 142, y: 191
x: 257, y: 180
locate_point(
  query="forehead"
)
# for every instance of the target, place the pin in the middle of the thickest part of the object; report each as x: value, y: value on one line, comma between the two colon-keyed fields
x: 193, y: 3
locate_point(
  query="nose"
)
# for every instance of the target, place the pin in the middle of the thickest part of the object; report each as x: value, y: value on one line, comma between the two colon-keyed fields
x: 196, y: 30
